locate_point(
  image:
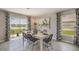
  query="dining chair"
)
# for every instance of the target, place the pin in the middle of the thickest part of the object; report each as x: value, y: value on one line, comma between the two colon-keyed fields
x: 32, y: 40
x: 25, y: 38
x: 47, y: 41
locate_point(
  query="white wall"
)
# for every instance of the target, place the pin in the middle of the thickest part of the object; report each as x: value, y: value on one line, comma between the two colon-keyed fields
x: 54, y: 25
x: 53, y: 29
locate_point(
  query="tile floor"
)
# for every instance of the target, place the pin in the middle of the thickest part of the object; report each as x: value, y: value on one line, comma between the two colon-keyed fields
x: 16, y: 44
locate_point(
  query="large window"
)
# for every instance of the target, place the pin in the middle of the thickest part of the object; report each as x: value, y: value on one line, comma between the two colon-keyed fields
x: 18, y: 23
x: 68, y: 22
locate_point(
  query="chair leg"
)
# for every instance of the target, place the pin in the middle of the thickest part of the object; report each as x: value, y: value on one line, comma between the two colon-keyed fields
x: 48, y: 46
x: 32, y: 45
x: 23, y: 42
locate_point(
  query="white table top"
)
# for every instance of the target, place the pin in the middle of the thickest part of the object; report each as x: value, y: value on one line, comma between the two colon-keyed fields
x: 40, y: 35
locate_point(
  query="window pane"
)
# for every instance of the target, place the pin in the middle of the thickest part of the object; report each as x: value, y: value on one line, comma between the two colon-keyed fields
x: 18, y: 23
x: 68, y: 22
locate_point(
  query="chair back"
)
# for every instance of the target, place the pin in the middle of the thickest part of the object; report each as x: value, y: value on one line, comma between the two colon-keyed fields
x: 29, y: 36
x: 49, y: 38
x: 25, y: 35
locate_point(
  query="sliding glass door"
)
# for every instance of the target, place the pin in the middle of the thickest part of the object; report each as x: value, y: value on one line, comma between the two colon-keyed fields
x: 18, y: 24
x: 68, y: 23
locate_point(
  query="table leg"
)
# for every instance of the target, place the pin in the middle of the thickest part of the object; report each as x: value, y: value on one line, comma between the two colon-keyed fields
x: 41, y: 45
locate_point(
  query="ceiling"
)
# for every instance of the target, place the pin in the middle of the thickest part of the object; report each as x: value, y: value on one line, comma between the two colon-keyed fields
x: 34, y: 11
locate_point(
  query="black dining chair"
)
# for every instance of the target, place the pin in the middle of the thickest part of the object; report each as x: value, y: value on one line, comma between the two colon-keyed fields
x: 24, y: 38
x: 31, y: 39
x: 47, y: 41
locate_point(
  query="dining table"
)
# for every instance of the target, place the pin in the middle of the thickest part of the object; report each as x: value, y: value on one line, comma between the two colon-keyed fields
x: 40, y: 36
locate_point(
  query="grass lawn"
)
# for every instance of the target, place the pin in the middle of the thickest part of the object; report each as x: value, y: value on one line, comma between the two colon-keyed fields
x: 15, y: 31
x: 68, y: 32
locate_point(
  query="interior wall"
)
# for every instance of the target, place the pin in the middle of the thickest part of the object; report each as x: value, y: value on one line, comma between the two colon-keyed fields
x: 33, y: 20
x: 2, y: 26
x: 53, y: 23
